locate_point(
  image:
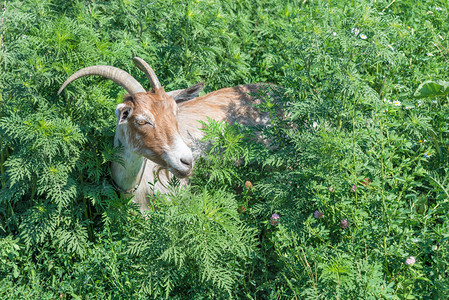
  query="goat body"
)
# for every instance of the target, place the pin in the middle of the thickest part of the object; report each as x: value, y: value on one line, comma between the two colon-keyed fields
x: 158, y: 129
x: 232, y: 105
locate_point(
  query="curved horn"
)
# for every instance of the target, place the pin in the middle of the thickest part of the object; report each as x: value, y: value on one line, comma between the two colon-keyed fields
x: 144, y: 67
x: 122, y: 78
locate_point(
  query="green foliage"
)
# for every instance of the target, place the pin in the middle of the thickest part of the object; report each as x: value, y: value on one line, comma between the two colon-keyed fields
x: 229, y: 148
x: 363, y: 137
x: 199, y: 241
x: 432, y: 89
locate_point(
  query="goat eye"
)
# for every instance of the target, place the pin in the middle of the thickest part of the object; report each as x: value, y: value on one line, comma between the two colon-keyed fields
x: 141, y: 122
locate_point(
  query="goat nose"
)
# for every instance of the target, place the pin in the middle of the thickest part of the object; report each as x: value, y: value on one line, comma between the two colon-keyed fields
x: 187, y: 161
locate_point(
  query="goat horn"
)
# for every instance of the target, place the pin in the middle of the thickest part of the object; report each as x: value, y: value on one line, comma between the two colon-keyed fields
x: 122, y: 78
x: 144, y: 67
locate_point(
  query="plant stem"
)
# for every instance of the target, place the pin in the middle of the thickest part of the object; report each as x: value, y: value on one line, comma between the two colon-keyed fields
x: 353, y: 147
x: 1, y: 27
x: 275, y: 129
x: 87, y: 215
x: 2, y: 161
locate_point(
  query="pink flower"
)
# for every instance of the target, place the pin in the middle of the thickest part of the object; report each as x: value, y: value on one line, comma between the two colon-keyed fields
x: 353, y: 188
x: 344, y: 223
x: 410, y: 261
x: 331, y: 189
x: 274, y: 219
x: 318, y: 215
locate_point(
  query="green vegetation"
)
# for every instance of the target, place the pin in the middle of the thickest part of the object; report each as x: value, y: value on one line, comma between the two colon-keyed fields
x: 357, y: 171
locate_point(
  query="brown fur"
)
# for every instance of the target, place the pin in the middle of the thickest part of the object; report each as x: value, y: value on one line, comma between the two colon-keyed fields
x: 228, y: 104
x: 163, y: 126
x: 169, y: 120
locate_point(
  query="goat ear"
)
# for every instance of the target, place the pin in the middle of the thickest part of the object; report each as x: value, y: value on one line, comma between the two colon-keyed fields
x: 123, y: 112
x: 187, y: 94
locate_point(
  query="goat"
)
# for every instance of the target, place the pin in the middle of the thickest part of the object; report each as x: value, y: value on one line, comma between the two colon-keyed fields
x: 158, y: 129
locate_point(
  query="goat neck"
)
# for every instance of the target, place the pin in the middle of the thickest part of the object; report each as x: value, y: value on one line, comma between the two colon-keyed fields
x: 128, y: 174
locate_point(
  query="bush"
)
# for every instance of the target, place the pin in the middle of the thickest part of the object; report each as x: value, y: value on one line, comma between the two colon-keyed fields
x: 349, y: 199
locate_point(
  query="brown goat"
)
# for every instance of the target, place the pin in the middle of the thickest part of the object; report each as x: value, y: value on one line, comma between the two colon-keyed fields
x: 158, y: 129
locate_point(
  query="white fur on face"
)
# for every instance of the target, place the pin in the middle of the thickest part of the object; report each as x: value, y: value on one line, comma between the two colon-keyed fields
x: 176, y: 156
x: 180, y: 158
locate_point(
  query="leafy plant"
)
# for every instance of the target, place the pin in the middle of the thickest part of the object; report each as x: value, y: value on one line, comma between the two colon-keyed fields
x: 349, y: 191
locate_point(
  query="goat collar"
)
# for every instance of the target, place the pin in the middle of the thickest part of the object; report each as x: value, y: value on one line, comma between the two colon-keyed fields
x: 133, y: 189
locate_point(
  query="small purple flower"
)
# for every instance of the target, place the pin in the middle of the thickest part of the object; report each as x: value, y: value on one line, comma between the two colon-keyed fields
x: 331, y: 189
x: 274, y: 219
x: 344, y: 223
x: 410, y: 261
x: 317, y: 214
x: 353, y: 188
